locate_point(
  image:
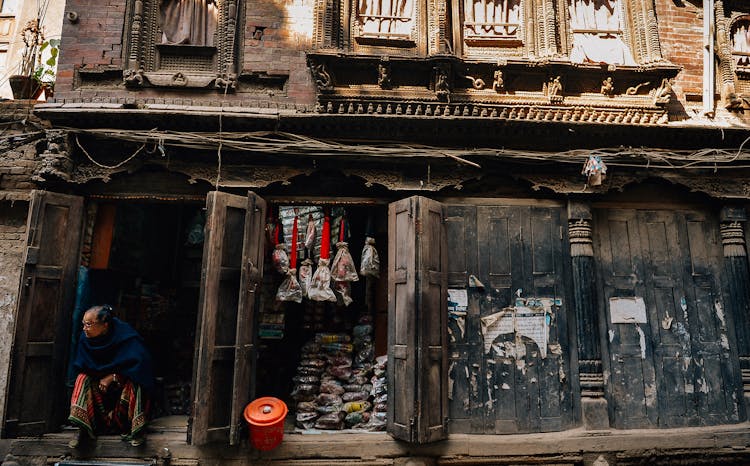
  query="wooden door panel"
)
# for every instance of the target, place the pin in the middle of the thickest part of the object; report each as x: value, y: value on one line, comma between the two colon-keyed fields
x: 401, y: 325
x: 417, y: 315
x: 213, y: 371
x: 45, y: 304
x: 522, y: 391
x: 676, y: 272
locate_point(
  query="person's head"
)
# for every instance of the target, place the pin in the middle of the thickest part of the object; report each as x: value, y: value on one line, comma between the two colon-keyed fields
x: 96, y: 321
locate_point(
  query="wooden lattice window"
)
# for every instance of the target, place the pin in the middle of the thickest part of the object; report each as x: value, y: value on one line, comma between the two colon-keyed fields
x: 492, y: 21
x: 740, y: 36
x: 597, y: 27
x: 182, y: 43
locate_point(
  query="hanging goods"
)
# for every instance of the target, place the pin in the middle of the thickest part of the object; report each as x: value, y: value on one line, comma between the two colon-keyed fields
x: 342, y: 267
x: 279, y: 257
x: 370, y: 264
x: 290, y: 289
x: 595, y: 170
x: 310, y: 235
x: 305, y: 277
x: 320, y: 288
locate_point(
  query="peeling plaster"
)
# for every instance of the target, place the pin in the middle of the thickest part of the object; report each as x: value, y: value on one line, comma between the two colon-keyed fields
x: 641, y: 341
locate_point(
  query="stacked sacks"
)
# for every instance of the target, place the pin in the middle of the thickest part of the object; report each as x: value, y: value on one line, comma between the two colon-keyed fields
x: 357, y: 397
x: 307, y: 384
x: 335, y: 390
x: 379, y: 395
x: 338, y: 355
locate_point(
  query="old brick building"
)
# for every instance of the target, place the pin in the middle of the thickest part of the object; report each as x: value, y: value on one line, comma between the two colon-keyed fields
x: 570, y: 173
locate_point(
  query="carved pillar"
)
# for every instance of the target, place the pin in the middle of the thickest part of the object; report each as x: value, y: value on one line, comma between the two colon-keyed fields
x: 593, y: 404
x: 724, y: 51
x: 738, y: 279
x: 134, y: 57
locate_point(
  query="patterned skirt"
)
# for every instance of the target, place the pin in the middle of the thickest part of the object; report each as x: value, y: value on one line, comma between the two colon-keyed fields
x: 120, y: 410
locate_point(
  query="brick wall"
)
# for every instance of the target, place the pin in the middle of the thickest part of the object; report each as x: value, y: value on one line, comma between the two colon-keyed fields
x: 12, y: 236
x: 18, y: 156
x: 681, y: 36
x: 275, y: 36
x: 96, y: 41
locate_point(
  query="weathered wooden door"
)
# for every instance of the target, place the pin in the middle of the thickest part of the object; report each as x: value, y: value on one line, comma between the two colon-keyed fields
x: 224, y: 357
x: 669, y: 353
x: 417, y: 314
x: 45, y: 304
x: 512, y: 376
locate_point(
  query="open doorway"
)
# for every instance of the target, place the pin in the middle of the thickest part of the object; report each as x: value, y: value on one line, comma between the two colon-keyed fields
x: 144, y: 259
x: 325, y: 358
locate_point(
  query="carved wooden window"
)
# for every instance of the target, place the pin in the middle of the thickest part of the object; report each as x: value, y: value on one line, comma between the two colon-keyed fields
x: 492, y: 22
x: 182, y: 43
x: 597, y: 27
x: 385, y: 21
x: 740, y: 34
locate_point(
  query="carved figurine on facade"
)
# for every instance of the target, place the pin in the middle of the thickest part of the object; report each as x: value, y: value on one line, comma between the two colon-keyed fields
x: 133, y: 77
x: 608, y: 87
x: 322, y: 77
x: 384, y: 74
x: 226, y: 81
x: 663, y: 93
x: 553, y: 90
x: 498, y: 84
x: 442, y: 83
x: 188, y: 22
x: 633, y: 90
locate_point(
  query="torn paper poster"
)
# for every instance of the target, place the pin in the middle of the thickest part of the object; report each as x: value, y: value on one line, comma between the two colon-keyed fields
x: 533, y: 324
x: 522, y: 320
x: 628, y: 310
x: 458, y: 300
x: 497, y: 324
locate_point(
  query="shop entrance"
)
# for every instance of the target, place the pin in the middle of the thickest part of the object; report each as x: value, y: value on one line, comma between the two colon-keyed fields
x: 319, y: 356
x: 144, y: 259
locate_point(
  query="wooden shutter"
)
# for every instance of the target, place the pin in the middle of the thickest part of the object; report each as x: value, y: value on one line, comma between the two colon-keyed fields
x: 252, y: 269
x: 417, y: 321
x: 224, y: 351
x: 45, y: 303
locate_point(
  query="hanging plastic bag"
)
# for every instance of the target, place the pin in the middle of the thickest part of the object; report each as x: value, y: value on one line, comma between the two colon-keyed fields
x: 279, y: 257
x: 342, y: 268
x: 305, y: 277
x: 320, y: 288
x: 290, y: 289
x: 370, y: 265
x: 310, y: 235
x: 344, y: 290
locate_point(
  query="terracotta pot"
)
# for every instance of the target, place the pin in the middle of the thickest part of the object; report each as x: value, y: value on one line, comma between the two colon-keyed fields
x: 24, y: 87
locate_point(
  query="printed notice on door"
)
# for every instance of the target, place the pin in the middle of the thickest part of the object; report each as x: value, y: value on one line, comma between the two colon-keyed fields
x: 628, y: 310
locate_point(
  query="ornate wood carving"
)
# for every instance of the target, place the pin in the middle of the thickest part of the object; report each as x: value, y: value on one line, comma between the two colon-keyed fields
x: 150, y: 63
x: 581, y: 243
x: 733, y: 239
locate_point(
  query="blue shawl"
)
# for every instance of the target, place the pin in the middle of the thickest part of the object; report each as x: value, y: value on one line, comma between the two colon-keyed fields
x: 119, y: 351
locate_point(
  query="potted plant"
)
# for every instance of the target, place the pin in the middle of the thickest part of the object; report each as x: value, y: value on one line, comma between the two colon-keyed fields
x: 35, y: 74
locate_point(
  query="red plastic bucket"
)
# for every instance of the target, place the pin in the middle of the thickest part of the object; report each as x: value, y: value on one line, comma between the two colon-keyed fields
x: 265, y: 417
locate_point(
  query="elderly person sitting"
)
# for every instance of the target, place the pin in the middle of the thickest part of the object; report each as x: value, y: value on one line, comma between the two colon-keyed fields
x: 113, y: 382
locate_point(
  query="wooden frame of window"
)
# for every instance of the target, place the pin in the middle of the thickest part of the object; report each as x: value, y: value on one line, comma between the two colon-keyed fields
x: 149, y: 63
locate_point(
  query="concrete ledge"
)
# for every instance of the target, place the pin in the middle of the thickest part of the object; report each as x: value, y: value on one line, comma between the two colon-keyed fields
x: 729, y: 444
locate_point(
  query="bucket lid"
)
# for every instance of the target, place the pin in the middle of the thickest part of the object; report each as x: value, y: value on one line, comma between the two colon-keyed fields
x: 265, y: 410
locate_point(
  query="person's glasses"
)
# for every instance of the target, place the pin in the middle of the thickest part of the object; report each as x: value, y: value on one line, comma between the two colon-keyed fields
x: 89, y: 324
